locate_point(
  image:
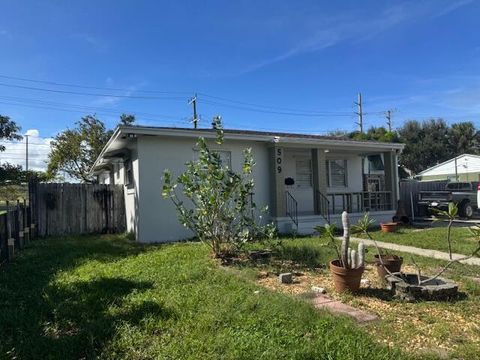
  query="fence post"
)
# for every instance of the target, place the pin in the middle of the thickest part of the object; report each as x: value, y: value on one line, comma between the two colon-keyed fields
x: 20, y: 225
x: 10, y: 241
x: 26, y: 230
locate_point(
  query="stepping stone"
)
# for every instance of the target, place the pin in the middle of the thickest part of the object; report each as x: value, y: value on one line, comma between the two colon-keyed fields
x: 325, y: 302
x: 285, y: 278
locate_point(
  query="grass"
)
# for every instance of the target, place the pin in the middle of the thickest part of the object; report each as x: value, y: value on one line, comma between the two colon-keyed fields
x: 430, y: 238
x: 106, y: 297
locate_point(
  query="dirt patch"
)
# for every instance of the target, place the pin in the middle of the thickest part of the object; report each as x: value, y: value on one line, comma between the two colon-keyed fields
x: 421, y: 326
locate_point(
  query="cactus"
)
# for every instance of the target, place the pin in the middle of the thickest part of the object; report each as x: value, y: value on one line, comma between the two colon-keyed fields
x: 349, y: 259
x: 346, y: 240
x: 361, y: 254
x: 353, y: 257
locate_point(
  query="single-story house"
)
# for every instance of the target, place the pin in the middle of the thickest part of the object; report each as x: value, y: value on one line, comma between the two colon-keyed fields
x: 464, y: 167
x: 305, y: 180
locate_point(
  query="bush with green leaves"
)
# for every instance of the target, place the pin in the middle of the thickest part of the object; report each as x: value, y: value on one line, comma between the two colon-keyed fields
x: 221, y: 211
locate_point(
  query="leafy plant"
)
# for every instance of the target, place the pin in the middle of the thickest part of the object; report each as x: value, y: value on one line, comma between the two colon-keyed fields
x: 349, y: 258
x: 222, y: 212
x: 450, y: 214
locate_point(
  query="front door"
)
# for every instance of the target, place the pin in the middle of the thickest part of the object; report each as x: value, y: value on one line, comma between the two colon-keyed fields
x: 302, y: 189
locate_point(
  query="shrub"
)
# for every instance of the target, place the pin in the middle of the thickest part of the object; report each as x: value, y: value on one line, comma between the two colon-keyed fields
x: 222, y: 212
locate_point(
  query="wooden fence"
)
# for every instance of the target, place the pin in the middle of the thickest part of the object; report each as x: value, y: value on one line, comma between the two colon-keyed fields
x: 70, y: 209
x: 409, y: 193
x: 16, y: 229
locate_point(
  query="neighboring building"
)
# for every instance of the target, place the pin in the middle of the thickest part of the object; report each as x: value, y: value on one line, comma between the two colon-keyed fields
x: 304, y: 179
x: 462, y: 168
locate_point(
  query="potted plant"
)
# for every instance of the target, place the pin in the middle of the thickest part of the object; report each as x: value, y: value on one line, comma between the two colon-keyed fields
x: 388, y: 227
x: 385, y: 262
x: 348, y: 268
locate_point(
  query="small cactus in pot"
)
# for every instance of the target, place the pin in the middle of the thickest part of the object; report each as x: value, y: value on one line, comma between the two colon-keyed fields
x: 347, y: 270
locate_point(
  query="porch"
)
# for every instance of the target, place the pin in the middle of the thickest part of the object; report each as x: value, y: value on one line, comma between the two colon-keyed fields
x: 314, y: 186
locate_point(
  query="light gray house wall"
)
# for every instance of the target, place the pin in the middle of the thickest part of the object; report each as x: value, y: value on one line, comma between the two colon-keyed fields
x: 157, y: 216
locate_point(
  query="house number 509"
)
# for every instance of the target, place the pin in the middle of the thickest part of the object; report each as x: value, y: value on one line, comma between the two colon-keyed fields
x: 278, y: 160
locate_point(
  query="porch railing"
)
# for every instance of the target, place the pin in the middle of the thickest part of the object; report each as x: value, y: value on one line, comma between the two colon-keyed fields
x: 360, y: 201
x: 323, y: 205
x: 291, y: 206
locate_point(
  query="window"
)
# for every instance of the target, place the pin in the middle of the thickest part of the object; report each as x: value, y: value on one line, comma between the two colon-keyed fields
x: 375, y: 163
x: 337, y: 173
x: 128, y: 173
x: 303, y: 172
x: 225, y: 157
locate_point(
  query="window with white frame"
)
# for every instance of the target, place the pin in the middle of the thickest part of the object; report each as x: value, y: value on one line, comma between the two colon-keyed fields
x: 337, y: 173
x: 304, y: 174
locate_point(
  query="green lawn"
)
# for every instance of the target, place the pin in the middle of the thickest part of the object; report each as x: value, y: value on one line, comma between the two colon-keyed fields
x: 430, y: 238
x: 102, y: 296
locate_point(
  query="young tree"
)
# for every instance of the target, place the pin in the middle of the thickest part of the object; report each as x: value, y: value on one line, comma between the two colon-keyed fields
x: 221, y: 211
x: 8, y: 130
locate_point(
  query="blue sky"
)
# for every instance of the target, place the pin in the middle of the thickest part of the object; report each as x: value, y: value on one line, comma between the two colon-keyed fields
x: 309, y: 58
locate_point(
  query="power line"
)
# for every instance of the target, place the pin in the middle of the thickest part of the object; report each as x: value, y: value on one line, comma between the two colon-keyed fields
x: 201, y: 94
x: 91, y: 87
x: 92, y: 94
x: 85, y: 107
x: 273, y: 112
x: 80, y: 111
x: 274, y: 107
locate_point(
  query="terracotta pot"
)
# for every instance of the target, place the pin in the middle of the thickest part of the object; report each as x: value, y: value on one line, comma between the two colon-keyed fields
x: 389, y: 227
x: 392, y: 262
x: 345, y: 279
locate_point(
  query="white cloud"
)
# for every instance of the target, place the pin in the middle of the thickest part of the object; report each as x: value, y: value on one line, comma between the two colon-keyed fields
x: 38, y: 150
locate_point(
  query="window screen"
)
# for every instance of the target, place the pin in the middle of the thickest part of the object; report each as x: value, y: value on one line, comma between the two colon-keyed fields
x: 304, y: 172
x: 337, y: 173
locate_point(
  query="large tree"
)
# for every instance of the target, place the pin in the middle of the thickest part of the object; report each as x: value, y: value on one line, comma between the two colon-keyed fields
x: 375, y: 134
x: 9, y: 130
x: 463, y: 138
x: 426, y: 144
x: 75, y: 150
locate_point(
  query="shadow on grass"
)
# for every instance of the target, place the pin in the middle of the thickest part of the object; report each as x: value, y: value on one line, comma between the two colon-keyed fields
x: 42, y: 318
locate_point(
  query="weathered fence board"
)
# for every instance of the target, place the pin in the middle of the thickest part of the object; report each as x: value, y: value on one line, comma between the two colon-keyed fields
x: 64, y: 209
x: 12, y: 230
x: 409, y: 191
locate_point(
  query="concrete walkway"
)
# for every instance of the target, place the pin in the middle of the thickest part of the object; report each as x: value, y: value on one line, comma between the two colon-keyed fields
x: 435, y: 254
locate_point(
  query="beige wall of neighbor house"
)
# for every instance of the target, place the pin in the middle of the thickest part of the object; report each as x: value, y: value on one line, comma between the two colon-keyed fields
x: 157, y: 217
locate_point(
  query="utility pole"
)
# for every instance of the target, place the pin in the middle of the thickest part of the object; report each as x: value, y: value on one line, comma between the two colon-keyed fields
x: 359, y: 113
x: 193, y: 101
x: 26, y: 152
x: 388, y: 115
